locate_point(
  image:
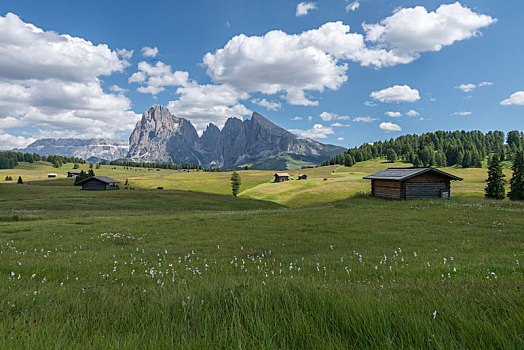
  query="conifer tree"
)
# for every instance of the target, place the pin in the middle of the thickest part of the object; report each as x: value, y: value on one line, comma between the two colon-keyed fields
x: 80, y: 177
x: 495, y: 182
x: 517, y: 180
x: 20, y: 181
x: 391, y: 155
x: 235, y: 183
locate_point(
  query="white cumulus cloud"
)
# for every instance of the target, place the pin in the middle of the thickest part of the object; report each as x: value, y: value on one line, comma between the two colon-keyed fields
x: 393, y: 114
x: 318, y: 131
x: 410, y: 31
x: 50, y: 85
x: 397, y: 93
x: 297, y: 118
x: 157, y: 77
x: 340, y: 138
x: 470, y: 87
x: 326, y: 116
x: 412, y: 113
x: 516, y: 99
x: 204, y: 104
x: 389, y: 127
x: 352, y: 6
x: 304, y: 7
x: 269, y: 105
x: 149, y: 51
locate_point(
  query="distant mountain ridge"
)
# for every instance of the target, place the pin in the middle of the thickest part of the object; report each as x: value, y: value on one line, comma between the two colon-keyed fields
x: 88, y: 149
x: 161, y: 136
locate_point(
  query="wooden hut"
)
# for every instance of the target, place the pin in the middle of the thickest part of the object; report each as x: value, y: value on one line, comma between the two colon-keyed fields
x: 73, y: 173
x: 280, y: 177
x: 51, y: 175
x: 99, y: 183
x: 411, y: 183
x: 302, y: 177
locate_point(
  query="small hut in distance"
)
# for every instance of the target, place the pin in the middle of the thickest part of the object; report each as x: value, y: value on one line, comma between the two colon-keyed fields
x: 411, y: 183
x: 302, y: 177
x: 99, y: 183
x: 280, y: 177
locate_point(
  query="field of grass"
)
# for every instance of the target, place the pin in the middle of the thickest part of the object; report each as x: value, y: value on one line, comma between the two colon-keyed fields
x: 169, y: 268
x: 341, y: 182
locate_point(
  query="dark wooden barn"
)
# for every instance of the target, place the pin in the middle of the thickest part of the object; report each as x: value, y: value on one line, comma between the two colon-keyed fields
x: 411, y: 183
x: 279, y: 177
x: 302, y: 177
x: 99, y: 183
x: 73, y: 173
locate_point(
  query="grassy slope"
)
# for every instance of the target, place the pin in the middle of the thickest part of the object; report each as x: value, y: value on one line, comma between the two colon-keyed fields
x: 360, y: 272
x: 256, y: 184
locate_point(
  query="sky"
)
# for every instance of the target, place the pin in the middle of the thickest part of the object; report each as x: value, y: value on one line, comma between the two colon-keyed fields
x: 343, y: 72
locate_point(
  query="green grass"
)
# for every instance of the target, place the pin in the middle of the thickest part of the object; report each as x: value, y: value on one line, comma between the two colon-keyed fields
x: 177, y: 269
x: 342, y: 182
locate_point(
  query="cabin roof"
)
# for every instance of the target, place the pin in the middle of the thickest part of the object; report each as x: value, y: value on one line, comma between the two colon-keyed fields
x: 103, y: 179
x: 401, y: 174
x: 281, y: 174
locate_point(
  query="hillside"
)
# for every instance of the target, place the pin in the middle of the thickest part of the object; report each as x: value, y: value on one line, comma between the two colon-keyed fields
x: 256, y: 184
x: 466, y: 149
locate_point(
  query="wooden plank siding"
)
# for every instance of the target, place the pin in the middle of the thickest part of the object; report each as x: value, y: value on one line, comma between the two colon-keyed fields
x: 97, y: 185
x: 422, y: 186
x: 426, y: 186
x: 386, y: 189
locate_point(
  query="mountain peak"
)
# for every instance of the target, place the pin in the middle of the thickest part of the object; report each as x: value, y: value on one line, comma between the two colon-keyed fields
x: 160, y: 136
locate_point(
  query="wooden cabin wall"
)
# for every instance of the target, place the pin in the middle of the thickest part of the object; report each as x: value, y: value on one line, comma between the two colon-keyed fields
x: 386, y: 189
x: 426, y: 186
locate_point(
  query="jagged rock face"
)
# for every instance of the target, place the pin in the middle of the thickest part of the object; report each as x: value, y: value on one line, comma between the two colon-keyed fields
x: 160, y: 136
x: 82, y: 148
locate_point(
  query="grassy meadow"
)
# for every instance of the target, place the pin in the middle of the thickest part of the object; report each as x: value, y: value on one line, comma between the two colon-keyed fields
x: 303, y: 264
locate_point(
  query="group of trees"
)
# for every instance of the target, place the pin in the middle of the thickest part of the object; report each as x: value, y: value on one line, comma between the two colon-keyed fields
x: 183, y: 166
x: 496, y: 185
x: 10, y: 159
x: 151, y: 165
x: 441, y: 148
x: 83, y: 175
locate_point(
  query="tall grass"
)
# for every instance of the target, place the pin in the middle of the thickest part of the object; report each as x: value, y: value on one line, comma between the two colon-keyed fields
x: 356, y: 273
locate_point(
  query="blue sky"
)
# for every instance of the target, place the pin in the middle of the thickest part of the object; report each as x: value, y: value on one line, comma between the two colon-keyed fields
x: 66, y: 68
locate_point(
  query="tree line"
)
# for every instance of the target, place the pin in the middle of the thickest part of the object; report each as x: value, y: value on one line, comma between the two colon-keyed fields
x: 441, y: 148
x: 171, y: 166
x: 10, y: 159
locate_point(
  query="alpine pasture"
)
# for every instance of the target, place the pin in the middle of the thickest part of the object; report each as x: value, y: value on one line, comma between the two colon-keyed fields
x: 303, y: 264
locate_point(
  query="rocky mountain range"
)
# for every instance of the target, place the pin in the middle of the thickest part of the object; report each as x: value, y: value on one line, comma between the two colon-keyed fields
x: 88, y: 149
x: 161, y: 136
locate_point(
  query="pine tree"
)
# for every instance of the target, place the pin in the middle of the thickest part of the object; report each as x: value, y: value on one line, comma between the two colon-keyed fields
x: 517, y: 180
x: 235, y: 183
x: 495, y: 182
x: 20, y: 181
x: 80, y: 177
x: 391, y: 155
x: 76, y: 166
x: 416, y: 161
x: 90, y: 173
